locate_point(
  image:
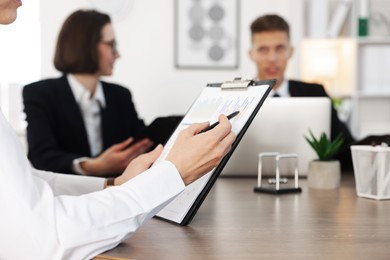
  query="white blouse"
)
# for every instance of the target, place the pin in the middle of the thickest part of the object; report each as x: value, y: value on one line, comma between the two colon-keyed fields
x: 36, y: 222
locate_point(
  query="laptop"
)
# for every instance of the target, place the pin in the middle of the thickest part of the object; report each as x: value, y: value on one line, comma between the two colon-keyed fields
x: 280, y: 126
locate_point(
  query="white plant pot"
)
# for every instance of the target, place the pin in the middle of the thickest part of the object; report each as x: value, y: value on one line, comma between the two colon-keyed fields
x: 324, y: 174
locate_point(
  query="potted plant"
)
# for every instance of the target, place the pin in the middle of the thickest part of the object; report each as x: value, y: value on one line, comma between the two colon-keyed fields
x: 325, y: 172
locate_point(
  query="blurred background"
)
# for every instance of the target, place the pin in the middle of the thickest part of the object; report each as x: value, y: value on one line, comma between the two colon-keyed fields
x: 166, y: 60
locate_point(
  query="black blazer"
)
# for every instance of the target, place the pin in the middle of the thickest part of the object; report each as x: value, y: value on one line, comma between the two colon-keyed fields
x: 302, y: 89
x: 56, y: 132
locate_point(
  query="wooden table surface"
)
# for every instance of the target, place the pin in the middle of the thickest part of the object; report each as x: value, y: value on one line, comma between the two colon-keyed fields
x: 236, y: 223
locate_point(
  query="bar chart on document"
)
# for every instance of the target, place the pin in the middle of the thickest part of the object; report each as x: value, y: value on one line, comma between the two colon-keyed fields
x: 214, y: 101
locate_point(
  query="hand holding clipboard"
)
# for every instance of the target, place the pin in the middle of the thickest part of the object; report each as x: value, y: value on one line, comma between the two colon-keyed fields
x: 245, y: 98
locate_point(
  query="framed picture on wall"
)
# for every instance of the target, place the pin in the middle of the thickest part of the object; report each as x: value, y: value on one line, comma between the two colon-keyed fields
x: 206, y: 34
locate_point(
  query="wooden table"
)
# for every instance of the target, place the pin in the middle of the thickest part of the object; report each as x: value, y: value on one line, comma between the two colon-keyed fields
x: 236, y: 223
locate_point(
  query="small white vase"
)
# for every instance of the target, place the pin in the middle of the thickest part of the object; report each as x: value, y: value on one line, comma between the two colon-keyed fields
x: 324, y: 174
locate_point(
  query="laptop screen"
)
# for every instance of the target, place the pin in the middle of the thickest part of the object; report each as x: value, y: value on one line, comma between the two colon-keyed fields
x: 280, y: 126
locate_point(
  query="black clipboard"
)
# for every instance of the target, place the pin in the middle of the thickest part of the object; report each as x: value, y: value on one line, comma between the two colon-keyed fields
x: 201, y: 187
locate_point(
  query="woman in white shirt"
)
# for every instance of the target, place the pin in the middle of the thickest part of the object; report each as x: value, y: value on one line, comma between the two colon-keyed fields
x: 56, y: 216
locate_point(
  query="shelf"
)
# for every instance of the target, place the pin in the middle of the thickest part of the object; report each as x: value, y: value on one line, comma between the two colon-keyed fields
x: 373, y: 95
x: 374, y: 40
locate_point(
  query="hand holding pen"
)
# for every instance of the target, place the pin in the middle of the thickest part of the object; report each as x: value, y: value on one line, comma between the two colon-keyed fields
x: 230, y: 116
x: 199, y: 153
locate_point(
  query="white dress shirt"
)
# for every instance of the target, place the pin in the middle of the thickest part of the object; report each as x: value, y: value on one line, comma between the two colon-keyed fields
x: 90, y: 109
x: 36, y: 222
x: 282, y: 90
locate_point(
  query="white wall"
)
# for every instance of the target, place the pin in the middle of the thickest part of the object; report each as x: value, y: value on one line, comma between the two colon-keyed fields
x: 146, y: 45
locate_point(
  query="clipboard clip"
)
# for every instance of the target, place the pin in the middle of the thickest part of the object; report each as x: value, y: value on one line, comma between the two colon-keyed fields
x: 236, y: 83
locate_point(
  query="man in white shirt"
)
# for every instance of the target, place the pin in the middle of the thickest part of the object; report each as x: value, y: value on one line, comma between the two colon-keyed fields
x: 56, y: 216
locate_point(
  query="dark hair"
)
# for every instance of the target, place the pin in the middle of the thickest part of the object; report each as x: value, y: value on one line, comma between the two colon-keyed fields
x: 268, y: 23
x: 76, y: 50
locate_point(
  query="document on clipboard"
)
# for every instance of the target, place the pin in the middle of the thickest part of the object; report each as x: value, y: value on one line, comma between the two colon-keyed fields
x: 215, y: 99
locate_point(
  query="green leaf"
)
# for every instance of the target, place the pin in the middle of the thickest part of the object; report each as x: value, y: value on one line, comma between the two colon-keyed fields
x: 324, y: 148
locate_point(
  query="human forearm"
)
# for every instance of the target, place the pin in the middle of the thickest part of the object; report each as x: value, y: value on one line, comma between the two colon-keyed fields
x: 121, y: 210
x: 66, y: 184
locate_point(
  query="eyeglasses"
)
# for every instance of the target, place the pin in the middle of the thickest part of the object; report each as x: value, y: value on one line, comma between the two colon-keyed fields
x: 113, y: 44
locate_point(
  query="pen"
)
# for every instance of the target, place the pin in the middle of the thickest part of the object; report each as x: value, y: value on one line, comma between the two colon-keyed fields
x: 216, y: 123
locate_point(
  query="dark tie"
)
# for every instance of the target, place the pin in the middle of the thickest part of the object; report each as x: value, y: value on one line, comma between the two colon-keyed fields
x: 276, y: 95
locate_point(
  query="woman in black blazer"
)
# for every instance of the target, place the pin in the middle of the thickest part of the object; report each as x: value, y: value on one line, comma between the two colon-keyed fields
x: 78, y: 123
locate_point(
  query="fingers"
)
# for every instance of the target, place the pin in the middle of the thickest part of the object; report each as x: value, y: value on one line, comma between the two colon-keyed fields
x: 227, y: 142
x: 224, y: 123
x: 196, y: 128
x: 151, y: 157
x: 139, y: 147
x: 123, y: 145
x: 139, y: 165
x: 134, y: 150
x: 222, y: 129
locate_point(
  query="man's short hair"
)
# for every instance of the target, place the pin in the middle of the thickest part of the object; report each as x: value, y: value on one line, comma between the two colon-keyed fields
x: 269, y: 23
x: 77, y: 44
